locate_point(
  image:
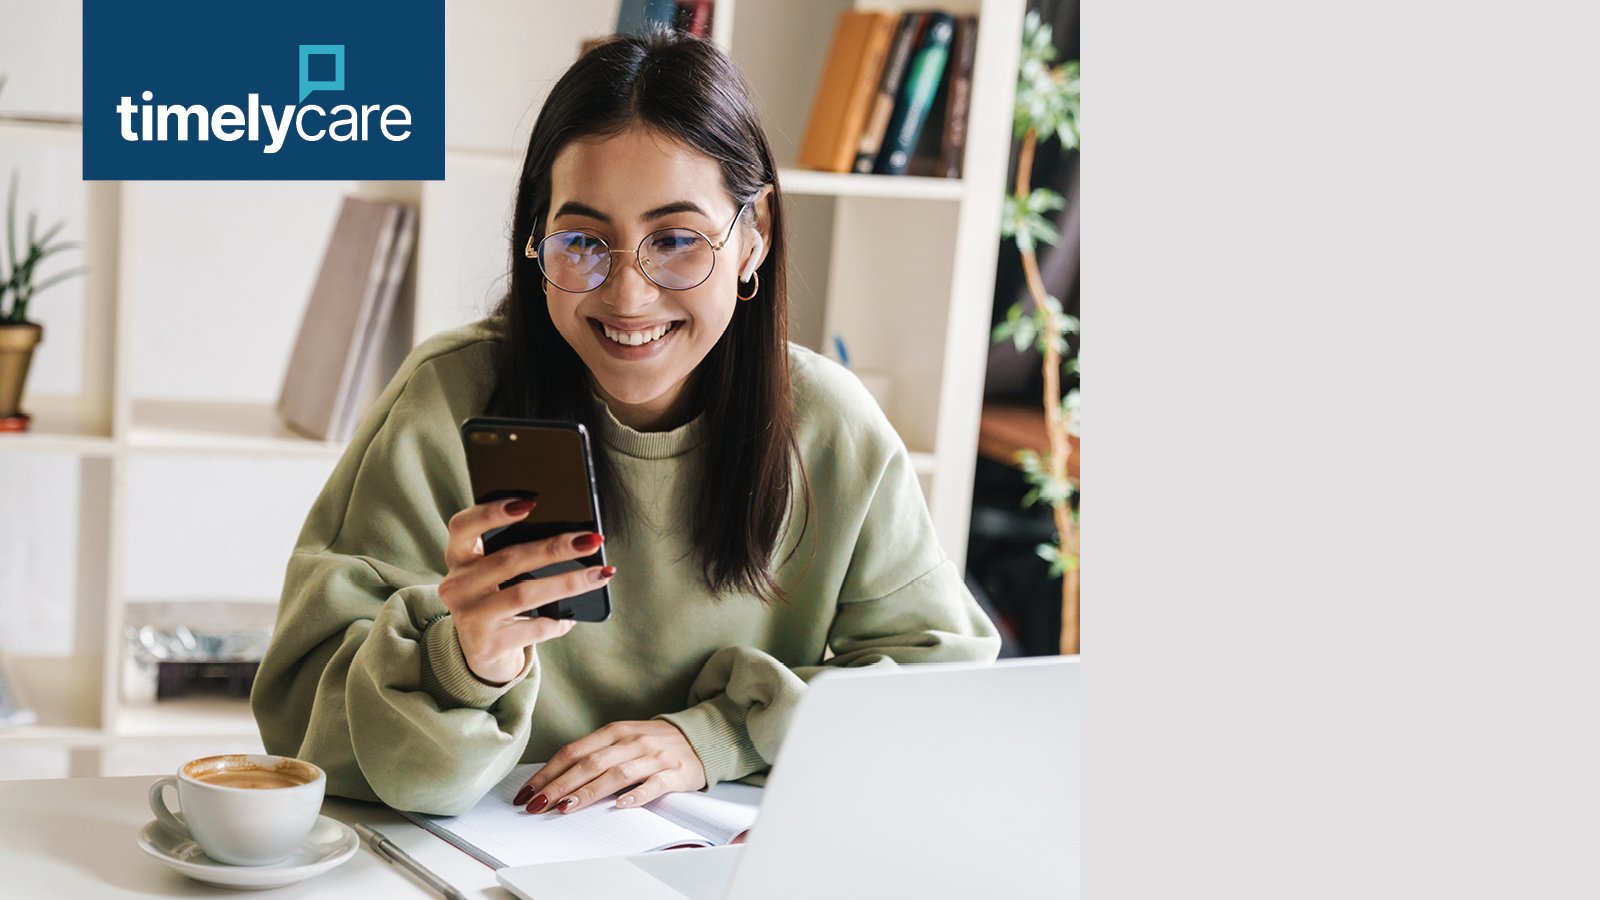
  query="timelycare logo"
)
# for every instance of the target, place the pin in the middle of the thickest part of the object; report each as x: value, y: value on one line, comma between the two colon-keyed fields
x: 191, y: 90
x: 257, y: 122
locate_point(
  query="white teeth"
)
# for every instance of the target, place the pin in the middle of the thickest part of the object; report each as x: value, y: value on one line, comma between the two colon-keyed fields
x: 635, y: 338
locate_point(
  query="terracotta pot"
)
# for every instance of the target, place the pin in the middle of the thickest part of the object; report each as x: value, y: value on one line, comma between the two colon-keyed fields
x: 16, y: 352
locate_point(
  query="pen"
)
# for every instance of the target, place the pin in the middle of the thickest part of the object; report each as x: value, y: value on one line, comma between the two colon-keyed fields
x: 393, y: 854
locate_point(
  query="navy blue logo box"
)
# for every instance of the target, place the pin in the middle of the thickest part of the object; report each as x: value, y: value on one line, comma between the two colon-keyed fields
x: 337, y: 89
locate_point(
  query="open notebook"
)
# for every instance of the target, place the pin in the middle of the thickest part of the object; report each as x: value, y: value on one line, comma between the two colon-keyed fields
x: 499, y: 834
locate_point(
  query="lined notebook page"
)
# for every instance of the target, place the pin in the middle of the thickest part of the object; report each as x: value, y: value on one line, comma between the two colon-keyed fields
x: 719, y: 821
x: 507, y: 835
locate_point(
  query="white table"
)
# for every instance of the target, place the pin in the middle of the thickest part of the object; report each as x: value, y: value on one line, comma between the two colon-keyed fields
x: 78, y: 837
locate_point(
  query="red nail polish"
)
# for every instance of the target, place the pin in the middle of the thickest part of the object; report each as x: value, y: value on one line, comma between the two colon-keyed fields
x: 518, y: 507
x: 566, y: 804
x: 538, y: 803
x: 522, y: 796
x: 607, y: 571
x: 587, y: 542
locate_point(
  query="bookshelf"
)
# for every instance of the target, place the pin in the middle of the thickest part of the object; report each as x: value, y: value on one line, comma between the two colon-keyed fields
x: 157, y: 419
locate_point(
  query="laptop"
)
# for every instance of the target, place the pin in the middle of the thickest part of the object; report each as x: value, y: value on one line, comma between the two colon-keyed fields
x: 931, y: 780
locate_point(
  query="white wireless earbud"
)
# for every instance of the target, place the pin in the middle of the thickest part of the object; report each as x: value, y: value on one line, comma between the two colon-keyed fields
x: 755, y: 258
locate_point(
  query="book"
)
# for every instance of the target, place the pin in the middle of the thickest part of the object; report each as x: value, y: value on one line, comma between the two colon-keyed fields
x: 906, y: 34
x: 350, y: 307
x: 845, y: 94
x: 925, y: 157
x: 326, y: 353
x: 694, y: 17
x: 963, y: 52
x: 635, y: 16
x: 370, y: 377
x: 498, y: 834
x: 916, y: 96
x: 941, y: 150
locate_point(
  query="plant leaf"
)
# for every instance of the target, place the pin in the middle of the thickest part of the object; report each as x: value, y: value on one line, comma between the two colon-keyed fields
x: 1044, y: 200
x: 49, y: 235
x: 1025, y: 334
x: 1028, y: 459
x: 1025, y: 242
x: 11, y: 223
x: 1037, y: 227
x: 58, y: 278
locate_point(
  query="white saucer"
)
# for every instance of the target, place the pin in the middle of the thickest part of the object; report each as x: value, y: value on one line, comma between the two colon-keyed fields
x: 330, y: 843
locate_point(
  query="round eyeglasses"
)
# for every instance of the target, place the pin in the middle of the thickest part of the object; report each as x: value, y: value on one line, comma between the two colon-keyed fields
x: 674, y: 258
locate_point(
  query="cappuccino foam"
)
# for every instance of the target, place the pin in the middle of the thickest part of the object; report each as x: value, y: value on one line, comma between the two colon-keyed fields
x: 258, y: 779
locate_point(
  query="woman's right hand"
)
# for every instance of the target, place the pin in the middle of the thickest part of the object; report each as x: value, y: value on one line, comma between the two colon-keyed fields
x: 493, y: 637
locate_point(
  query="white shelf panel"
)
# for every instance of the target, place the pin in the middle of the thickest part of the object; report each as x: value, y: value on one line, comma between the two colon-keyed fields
x: 42, y: 45
x: 214, y: 279
x: 187, y: 426
x: 502, y: 57
x: 890, y: 187
x: 198, y: 717
x: 22, y: 125
x: 57, y: 735
x: 462, y: 244
x: 924, y: 463
x: 58, y: 425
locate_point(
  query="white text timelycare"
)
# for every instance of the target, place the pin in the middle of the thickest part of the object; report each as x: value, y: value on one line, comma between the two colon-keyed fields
x: 260, y: 122
x: 255, y: 121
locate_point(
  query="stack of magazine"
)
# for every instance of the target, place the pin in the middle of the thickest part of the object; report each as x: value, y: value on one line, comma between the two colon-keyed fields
x: 347, y: 321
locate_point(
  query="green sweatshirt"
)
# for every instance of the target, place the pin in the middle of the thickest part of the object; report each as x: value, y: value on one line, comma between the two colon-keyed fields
x: 365, y: 678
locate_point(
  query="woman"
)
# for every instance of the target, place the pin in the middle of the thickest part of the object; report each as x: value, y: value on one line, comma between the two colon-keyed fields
x: 760, y: 510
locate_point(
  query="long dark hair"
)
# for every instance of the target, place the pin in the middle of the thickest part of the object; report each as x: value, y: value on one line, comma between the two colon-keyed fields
x: 688, y: 89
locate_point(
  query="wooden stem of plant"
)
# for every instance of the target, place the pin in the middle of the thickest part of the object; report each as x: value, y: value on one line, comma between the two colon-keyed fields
x: 1055, y: 426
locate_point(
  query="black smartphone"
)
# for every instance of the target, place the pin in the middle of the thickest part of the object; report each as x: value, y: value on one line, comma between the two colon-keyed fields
x: 547, y: 461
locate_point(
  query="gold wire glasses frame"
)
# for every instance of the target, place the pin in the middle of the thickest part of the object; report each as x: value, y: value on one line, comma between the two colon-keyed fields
x: 531, y: 251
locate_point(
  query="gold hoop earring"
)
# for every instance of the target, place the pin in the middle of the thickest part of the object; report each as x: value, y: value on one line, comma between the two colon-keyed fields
x: 754, y: 290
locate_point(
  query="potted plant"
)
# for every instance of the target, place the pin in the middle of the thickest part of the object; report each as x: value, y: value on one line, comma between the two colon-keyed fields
x: 1046, y: 105
x: 18, y: 335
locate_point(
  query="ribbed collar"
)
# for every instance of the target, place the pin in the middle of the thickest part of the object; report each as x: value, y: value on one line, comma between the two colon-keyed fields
x: 648, y: 444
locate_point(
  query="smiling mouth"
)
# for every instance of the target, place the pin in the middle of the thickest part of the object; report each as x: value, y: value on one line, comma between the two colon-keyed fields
x: 636, y: 338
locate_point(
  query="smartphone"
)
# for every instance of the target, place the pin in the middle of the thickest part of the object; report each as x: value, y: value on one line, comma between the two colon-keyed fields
x: 547, y: 461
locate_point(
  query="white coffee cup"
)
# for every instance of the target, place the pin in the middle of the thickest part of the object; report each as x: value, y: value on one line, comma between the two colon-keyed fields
x: 242, y: 809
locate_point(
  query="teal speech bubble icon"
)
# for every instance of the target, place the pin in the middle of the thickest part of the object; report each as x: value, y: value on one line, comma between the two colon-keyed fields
x: 307, y: 85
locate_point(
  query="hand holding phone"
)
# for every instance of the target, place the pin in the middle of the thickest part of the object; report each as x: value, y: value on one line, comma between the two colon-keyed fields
x: 490, y: 621
x: 529, y: 551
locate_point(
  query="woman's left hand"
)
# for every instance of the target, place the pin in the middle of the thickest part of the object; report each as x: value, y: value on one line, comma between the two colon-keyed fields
x: 653, y: 755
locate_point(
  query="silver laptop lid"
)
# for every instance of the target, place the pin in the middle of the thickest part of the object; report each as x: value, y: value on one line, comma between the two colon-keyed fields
x: 933, y: 780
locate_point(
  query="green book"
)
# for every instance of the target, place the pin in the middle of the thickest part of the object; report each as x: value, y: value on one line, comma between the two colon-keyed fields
x: 916, y: 99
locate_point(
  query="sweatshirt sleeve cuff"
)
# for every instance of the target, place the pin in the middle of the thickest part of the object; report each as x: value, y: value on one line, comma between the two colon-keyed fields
x: 716, y: 730
x: 446, y: 676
